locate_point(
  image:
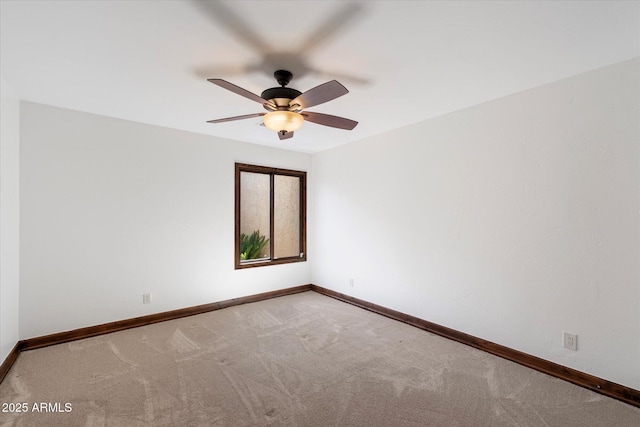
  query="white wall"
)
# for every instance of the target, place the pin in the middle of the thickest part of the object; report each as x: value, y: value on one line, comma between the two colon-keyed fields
x: 111, y: 209
x: 512, y: 221
x: 9, y: 217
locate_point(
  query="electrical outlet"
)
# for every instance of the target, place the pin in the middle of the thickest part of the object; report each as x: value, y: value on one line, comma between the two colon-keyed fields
x: 570, y: 341
x: 146, y: 298
x: 351, y: 282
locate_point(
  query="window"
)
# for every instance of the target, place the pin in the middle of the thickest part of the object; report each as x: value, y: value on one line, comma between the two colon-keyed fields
x: 270, y: 216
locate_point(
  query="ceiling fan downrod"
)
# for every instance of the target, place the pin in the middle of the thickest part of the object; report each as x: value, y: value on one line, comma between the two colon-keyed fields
x: 283, y: 77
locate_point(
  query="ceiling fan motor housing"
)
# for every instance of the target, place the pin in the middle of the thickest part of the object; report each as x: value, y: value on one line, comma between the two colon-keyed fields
x: 281, y: 95
x: 276, y: 93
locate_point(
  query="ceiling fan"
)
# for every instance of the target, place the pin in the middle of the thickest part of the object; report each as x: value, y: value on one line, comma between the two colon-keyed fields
x: 286, y: 106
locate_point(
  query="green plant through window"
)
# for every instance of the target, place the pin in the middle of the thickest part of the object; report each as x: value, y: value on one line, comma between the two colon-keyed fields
x: 251, y: 246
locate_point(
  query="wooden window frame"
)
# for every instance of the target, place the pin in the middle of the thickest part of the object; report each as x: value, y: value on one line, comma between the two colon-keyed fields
x: 272, y: 172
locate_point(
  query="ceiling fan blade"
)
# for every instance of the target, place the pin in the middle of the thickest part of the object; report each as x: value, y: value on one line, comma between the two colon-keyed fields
x: 234, y: 24
x: 340, y: 20
x: 320, y: 94
x: 238, y: 90
x: 285, y: 135
x: 230, y: 119
x: 329, y: 120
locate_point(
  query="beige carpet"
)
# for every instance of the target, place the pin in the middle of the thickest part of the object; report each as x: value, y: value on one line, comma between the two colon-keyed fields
x: 299, y: 360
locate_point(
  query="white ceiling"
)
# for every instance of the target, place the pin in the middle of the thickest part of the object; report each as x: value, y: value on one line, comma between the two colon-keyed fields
x: 403, y: 62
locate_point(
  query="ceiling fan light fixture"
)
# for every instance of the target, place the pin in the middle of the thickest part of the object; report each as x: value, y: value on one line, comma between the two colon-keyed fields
x: 279, y: 121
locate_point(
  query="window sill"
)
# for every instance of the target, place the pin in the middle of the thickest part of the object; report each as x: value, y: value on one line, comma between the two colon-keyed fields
x: 263, y: 263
